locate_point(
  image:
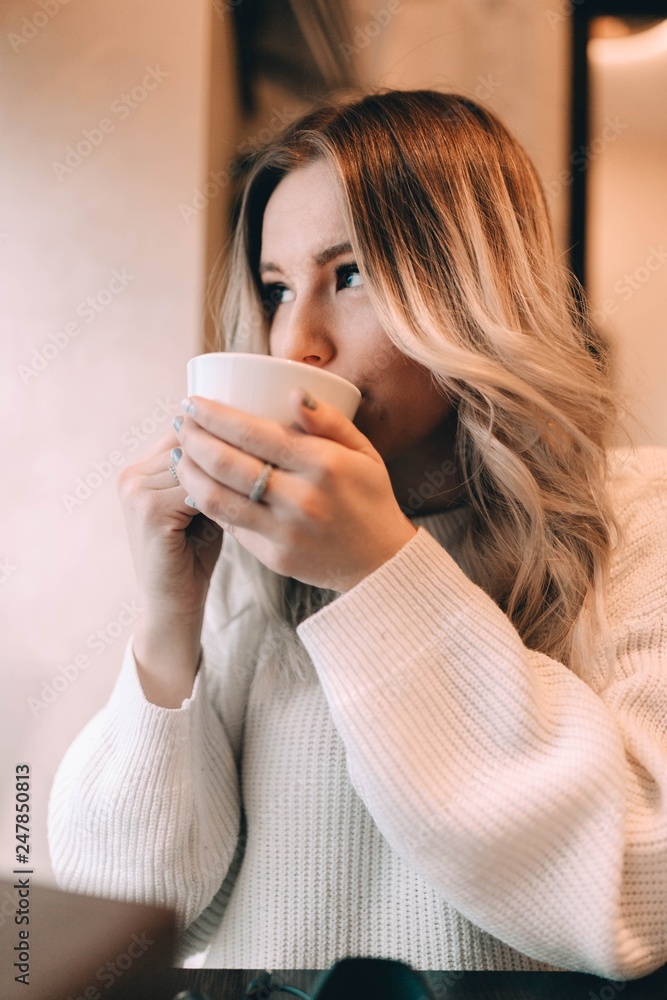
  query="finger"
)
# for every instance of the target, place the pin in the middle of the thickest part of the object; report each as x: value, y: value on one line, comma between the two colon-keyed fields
x: 163, y: 479
x: 157, y: 469
x: 324, y: 420
x: 173, y: 482
x: 224, y: 463
x: 158, y: 460
x: 220, y: 503
x: 266, y: 440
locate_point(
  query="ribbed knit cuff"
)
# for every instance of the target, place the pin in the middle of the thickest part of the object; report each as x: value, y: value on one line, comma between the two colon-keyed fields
x: 145, y: 804
x: 387, y: 618
x: 128, y: 699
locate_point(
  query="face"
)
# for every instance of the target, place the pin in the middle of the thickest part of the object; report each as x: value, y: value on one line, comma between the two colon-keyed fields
x: 323, y: 315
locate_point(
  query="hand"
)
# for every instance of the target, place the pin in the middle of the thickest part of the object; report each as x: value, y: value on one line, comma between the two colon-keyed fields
x: 174, y: 549
x: 329, y: 516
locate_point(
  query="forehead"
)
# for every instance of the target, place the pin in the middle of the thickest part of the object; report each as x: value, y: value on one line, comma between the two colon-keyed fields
x: 306, y: 209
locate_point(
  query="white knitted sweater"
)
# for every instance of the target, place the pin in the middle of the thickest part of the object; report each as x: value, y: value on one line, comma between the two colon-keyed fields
x: 440, y: 794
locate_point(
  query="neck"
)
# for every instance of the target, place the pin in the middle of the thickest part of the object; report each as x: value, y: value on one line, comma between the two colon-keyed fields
x: 427, y: 480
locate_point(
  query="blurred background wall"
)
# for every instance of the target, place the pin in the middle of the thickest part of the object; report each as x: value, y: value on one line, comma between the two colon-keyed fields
x: 104, y: 118
x: 627, y: 218
x: 125, y: 128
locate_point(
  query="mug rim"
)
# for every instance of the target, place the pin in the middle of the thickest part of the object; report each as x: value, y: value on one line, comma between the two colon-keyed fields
x: 274, y: 360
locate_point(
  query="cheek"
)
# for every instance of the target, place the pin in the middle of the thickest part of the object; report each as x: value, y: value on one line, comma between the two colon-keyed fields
x: 411, y: 410
x: 274, y: 337
x: 389, y: 423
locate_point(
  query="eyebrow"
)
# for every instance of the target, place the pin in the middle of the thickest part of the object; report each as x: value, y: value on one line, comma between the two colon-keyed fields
x: 321, y: 258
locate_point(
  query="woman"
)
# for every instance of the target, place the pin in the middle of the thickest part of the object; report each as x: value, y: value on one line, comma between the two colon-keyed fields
x: 419, y: 712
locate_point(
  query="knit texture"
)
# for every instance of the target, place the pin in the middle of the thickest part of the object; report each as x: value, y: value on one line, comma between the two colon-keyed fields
x: 437, y: 793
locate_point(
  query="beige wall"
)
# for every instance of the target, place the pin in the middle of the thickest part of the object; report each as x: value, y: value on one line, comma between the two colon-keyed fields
x: 628, y: 219
x: 87, y: 387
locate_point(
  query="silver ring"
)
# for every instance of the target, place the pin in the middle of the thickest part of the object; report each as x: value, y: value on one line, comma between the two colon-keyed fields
x: 173, y: 472
x: 262, y: 481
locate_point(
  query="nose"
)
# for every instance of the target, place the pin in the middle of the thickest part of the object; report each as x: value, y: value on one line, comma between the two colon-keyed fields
x: 303, y: 335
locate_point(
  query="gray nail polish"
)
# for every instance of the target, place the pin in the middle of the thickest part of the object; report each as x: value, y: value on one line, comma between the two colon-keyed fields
x: 176, y: 454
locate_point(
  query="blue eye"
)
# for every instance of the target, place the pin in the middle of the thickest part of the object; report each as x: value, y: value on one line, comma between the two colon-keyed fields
x: 276, y: 294
x: 348, y: 276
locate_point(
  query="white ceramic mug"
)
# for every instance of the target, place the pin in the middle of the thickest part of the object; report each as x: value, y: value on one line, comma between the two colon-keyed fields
x: 260, y: 384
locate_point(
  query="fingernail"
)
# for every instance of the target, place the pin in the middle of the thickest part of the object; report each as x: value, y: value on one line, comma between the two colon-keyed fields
x: 188, y: 406
x: 176, y: 454
x: 177, y: 423
x: 308, y: 401
x: 190, y: 502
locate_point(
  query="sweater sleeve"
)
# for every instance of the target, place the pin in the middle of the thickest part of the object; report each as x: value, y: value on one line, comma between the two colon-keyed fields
x: 536, y: 805
x: 145, y: 804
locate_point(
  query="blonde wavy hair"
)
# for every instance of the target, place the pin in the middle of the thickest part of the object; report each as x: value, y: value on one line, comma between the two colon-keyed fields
x: 449, y: 224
